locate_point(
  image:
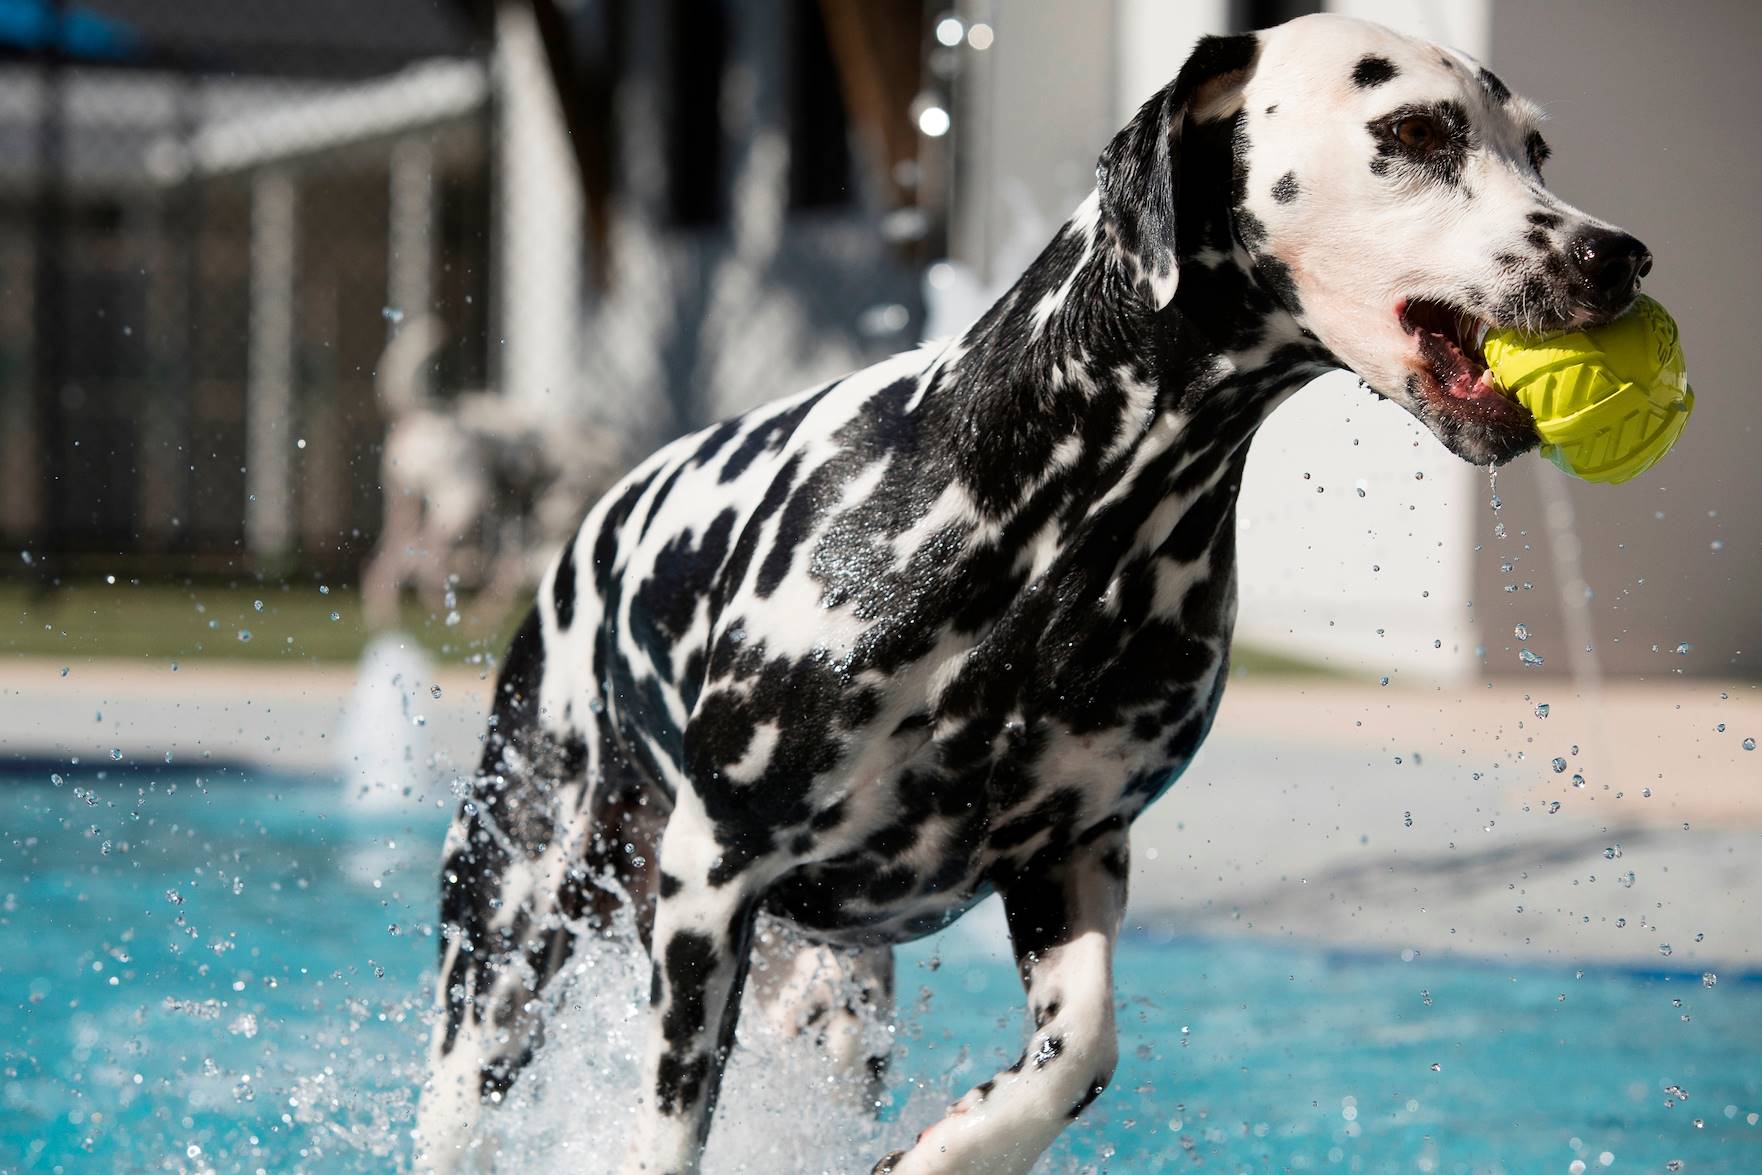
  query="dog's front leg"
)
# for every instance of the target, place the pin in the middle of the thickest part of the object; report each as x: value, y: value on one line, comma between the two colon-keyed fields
x: 1064, y: 916
x: 701, y: 944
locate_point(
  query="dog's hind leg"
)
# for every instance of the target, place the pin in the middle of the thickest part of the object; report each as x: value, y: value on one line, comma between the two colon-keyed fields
x: 840, y: 997
x: 526, y: 863
x: 702, y: 944
x: 1064, y: 917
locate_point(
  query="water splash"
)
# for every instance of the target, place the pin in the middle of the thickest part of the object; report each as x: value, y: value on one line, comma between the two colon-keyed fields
x: 382, y: 749
x: 591, y: 1058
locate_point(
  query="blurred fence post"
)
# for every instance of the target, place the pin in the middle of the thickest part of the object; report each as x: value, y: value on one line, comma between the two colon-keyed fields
x: 269, y: 393
x: 410, y: 267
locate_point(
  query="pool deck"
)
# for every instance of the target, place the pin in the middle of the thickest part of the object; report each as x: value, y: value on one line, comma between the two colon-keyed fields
x: 1418, y: 819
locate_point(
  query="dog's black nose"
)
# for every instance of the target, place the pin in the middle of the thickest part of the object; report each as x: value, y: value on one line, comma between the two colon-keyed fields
x: 1611, y: 264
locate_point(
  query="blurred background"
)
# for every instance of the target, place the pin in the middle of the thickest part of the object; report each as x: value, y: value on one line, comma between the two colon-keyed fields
x: 323, y: 321
x: 629, y: 220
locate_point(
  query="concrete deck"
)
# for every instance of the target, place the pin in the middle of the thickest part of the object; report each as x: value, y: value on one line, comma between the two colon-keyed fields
x: 1359, y: 817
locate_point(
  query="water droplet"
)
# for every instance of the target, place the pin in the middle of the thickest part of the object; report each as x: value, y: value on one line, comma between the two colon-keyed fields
x: 1382, y: 681
x: 452, y: 619
x: 434, y: 691
x: 324, y: 589
x: 1541, y: 710
x: 1708, y: 979
x: 1553, y: 807
x: 1612, y: 852
x: 1720, y: 729
x: 116, y: 753
x: 1529, y: 659
x: 1626, y: 880
x: 1664, y: 949
x: 1682, y: 650
x: 1407, y: 819
x: 1521, y: 632
x: 65, y: 670
x: 1749, y: 744
x: 256, y: 605
x: 335, y: 616
x: 244, y: 634
x: 1559, y: 765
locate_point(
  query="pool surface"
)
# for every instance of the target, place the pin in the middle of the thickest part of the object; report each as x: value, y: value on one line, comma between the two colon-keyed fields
x: 214, y: 969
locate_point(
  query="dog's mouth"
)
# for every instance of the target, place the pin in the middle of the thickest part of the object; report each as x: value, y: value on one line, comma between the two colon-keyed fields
x: 1457, y: 394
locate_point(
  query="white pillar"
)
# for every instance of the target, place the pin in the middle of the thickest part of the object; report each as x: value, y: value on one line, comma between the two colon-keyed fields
x: 1460, y: 24
x: 538, y: 224
x: 410, y: 262
x: 1153, y: 39
x: 269, y: 391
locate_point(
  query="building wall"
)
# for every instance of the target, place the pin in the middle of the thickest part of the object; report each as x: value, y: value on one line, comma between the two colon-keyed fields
x: 1408, y: 577
x: 1653, y: 124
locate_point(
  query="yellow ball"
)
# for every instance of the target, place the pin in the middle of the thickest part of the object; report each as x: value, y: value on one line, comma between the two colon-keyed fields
x: 1608, y: 402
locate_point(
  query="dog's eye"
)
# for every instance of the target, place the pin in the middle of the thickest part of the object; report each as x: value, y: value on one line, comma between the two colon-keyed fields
x: 1417, y: 132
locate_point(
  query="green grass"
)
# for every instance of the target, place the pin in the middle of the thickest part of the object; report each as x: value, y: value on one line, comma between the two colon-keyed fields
x: 204, y: 620
x: 1256, y: 661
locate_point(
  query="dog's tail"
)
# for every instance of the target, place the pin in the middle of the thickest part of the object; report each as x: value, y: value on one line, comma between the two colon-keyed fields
x: 398, y: 379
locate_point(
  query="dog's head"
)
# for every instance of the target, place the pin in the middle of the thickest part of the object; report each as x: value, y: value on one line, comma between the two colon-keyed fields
x: 1388, y: 195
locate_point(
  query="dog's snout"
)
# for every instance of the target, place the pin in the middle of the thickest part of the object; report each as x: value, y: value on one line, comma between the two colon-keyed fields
x: 1611, y: 264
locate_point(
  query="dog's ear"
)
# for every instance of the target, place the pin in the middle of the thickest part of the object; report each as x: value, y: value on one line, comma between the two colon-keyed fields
x: 1138, y: 174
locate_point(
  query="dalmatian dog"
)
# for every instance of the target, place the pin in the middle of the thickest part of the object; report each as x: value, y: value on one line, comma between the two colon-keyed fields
x: 945, y: 627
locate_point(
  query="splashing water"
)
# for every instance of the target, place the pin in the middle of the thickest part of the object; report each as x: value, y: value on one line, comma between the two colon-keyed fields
x: 591, y: 1054
x: 381, y: 746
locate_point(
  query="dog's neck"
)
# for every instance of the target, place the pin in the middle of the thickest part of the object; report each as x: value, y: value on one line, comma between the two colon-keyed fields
x: 1072, y: 354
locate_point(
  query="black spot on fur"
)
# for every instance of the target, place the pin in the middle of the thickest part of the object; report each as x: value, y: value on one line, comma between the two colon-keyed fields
x: 1096, y: 1084
x: 1251, y: 229
x: 690, y: 958
x: 1372, y: 71
x: 1545, y: 219
x: 1537, y: 149
x: 1497, y: 90
x: 563, y: 587
x: 1285, y: 190
x: 667, y: 884
x: 679, y: 1081
x: 1275, y: 275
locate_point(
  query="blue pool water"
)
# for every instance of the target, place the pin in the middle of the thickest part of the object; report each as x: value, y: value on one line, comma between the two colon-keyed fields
x: 214, y: 969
